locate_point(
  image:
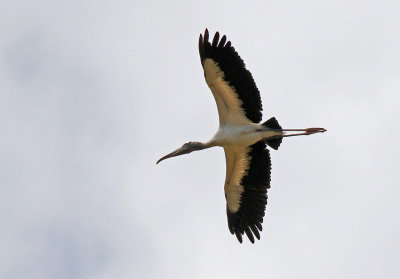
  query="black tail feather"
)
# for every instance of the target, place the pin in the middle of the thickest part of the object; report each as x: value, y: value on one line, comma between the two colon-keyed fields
x: 272, y: 123
x: 274, y: 142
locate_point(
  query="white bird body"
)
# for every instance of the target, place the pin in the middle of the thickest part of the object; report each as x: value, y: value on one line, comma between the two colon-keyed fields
x: 248, y: 163
x: 232, y: 136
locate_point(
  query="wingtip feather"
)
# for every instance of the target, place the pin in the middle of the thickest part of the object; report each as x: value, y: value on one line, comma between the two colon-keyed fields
x: 249, y: 235
x: 239, y: 237
x: 215, y: 40
x: 222, y: 42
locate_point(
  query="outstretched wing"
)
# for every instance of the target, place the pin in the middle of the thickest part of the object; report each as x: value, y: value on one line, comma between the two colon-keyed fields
x: 248, y: 173
x: 235, y: 92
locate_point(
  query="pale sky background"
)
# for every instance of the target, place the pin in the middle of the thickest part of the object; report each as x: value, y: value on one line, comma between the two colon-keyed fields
x: 92, y: 93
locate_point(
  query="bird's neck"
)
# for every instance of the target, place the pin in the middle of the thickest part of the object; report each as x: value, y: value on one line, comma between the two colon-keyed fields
x: 208, y: 144
x: 204, y: 145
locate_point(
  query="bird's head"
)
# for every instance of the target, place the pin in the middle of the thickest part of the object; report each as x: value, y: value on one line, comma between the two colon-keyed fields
x: 184, y: 149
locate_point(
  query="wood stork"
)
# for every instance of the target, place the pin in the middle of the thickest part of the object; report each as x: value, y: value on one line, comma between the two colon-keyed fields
x: 248, y: 164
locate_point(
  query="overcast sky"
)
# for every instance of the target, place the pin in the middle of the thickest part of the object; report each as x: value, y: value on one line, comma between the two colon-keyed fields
x: 92, y: 93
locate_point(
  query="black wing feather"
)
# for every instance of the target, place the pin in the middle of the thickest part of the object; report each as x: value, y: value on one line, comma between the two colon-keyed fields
x: 235, y: 73
x: 253, y: 200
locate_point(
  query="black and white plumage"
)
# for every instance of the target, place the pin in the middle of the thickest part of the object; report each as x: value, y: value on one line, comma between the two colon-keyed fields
x: 220, y: 60
x: 248, y: 163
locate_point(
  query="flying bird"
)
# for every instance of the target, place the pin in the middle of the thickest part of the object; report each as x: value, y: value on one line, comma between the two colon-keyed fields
x: 240, y: 133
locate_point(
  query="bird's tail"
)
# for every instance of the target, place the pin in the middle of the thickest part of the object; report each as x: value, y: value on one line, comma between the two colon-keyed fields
x: 274, y: 142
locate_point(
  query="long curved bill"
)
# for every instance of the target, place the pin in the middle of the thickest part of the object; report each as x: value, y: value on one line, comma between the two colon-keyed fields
x: 177, y: 152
